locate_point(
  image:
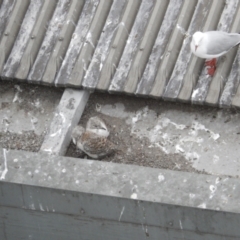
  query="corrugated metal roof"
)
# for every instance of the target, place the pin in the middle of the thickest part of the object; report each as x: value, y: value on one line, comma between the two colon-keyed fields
x: 120, y: 46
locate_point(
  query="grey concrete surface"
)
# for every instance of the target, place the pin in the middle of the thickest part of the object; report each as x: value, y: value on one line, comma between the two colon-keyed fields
x: 52, y: 197
x: 119, y: 180
x: 26, y: 108
x: 209, y: 138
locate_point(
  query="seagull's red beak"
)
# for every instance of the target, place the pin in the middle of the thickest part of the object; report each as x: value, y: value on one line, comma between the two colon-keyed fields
x: 196, y: 46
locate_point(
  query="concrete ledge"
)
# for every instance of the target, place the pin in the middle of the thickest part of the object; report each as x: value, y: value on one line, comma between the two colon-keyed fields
x: 41, y: 193
x: 67, y: 116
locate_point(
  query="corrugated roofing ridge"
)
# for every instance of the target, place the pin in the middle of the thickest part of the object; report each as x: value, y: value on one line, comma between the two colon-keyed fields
x: 132, y: 45
x: 171, y: 52
x: 135, y: 47
x: 196, y: 64
x: 168, y: 24
x: 180, y: 68
x: 200, y: 91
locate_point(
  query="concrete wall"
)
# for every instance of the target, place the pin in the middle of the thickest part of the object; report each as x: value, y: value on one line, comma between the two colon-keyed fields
x: 47, y: 197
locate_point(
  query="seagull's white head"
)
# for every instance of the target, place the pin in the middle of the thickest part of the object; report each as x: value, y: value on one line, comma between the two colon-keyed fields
x: 196, y: 40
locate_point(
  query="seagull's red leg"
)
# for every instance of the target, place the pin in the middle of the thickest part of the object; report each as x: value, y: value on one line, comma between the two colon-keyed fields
x: 211, y: 70
x: 211, y: 66
x: 211, y: 62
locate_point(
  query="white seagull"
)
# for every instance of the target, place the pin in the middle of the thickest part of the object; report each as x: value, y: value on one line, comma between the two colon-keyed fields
x: 213, y: 44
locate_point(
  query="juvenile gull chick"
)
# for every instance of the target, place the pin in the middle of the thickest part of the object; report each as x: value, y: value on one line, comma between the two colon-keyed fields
x: 213, y: 44
x: 96, y: 125
x: 92, y: 144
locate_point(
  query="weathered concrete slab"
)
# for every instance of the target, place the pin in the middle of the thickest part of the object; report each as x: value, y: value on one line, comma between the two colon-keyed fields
x: 94, y: 198
x: 66, y: 117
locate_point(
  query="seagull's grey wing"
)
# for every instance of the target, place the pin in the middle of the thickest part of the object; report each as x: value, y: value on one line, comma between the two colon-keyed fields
x: 221, y: 42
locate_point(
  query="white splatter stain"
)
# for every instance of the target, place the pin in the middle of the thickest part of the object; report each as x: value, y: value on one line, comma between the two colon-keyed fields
x: 192, y: 195
x: 181, y: 29
x: 64, y: 170
x: 58, y: 132
x: 179, y: 149
x: 121, y: 213
x: 180, y: 223
x: 32, y: 206
x: 192, y: 156
x: 3, y: 175
x: 203, y: 205
x: 41, y: 207
x: 215, y: 159
x: 133, y: 196
x: 212, y: 189
x: 217, y: 180
x: 161, y: 178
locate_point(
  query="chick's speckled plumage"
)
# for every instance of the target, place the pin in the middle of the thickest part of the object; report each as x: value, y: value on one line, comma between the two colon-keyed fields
x: 95, y: 146
x: 92, y: 144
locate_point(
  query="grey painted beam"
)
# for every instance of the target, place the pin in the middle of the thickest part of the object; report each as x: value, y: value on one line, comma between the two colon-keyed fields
x: 169, y: 22
x: 37, y: 35
x: 145, y: 47
x: 12, y: 29
x: 171, y: 52
x: 5, y: 14
x: 56, y: 27
x: 230, y: 95
x: 66, y: 117
x: 177, y: 77
x: 52, y: 197
x: 79, y: 38
x: 62, y: 44
x: 22, y: 39
x: 88, y: 48
x: 117, y: 47
x: 132, y: 45
x: 113, y: 23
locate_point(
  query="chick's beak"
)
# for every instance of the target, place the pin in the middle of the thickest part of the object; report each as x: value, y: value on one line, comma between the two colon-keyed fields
x: 196, y: 46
